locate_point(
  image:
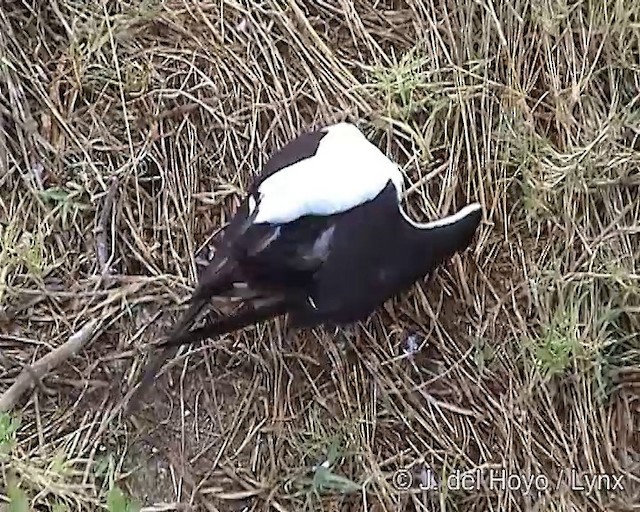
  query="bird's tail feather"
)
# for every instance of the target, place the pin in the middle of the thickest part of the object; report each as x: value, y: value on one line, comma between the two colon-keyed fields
x: 154, y: 365
x: 248, y: 313
x: 218, y: 278
x: 183, y: 326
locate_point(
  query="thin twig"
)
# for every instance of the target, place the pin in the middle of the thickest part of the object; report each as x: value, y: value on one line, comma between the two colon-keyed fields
x: 102, y: 243
x: 28, y: 377
x: 4, y: 153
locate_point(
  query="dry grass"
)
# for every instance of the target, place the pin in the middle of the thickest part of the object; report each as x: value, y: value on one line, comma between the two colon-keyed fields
x: 128, y: 131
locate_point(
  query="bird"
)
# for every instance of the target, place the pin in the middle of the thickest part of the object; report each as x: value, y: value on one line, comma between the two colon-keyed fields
x: 322, y: 237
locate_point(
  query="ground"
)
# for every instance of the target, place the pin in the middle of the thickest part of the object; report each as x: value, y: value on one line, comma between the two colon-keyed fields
x: 129, y: 132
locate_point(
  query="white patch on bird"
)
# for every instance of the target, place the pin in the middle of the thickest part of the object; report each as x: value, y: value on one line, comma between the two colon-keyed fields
x: 220, y: 264
x: 321, y: 245
x: 346, y: 171
x: 264, y: 243
x: 446, y: 221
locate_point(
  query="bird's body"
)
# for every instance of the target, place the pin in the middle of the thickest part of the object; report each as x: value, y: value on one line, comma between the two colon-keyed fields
x: 322, y: 236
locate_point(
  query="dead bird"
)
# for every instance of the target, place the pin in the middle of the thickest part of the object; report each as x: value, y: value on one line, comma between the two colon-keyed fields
x: 322, y: 237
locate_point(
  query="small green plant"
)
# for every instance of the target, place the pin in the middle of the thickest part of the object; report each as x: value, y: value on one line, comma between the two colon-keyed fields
x: 554, y: 353
x: 8, y: 428
x: 18, y: 500
x: 558, y: 345
x: 68, y: 202
x: 325, y: 480
x: 406, y: 84
x: 20, y: 249
x: 118, y: 501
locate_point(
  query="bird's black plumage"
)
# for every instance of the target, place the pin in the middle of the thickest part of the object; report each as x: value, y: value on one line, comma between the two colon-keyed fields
x: 331, y: 269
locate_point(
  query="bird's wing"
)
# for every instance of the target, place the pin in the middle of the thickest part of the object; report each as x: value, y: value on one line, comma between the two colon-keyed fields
x: 254, y: 261
x: 348, y: 284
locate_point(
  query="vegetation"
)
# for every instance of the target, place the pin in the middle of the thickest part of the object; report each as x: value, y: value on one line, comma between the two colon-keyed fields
x: 128, y: 131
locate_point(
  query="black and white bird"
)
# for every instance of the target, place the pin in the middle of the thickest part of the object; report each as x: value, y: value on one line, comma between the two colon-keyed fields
x: 322, y: 237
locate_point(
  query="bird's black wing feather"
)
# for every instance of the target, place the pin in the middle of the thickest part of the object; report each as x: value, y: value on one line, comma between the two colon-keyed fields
x: 291, y: 252
x: 348, y: 284
x: 285, y: 256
